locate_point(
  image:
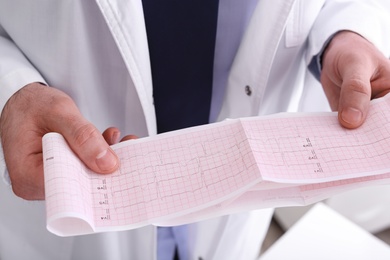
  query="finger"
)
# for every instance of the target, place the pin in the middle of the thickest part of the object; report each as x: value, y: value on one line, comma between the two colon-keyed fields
x: 381, y: 83
x: 24, y: 162
x: 32, y: 169
x: 129, y: 137
x: 112, y: 135
x: 22, y: 150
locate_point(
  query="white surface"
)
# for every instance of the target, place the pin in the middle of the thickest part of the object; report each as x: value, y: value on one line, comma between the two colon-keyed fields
x: 368, y: 207
x: 324, y: 234
x: 288, y: 216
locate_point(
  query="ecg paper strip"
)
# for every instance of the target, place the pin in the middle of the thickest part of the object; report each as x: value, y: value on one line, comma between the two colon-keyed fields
x: 158, y: 177
x: 217, y: 169
x: 316, y: 148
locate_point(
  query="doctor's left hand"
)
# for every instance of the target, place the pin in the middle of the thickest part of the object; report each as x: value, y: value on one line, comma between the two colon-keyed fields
x: 354, y: 71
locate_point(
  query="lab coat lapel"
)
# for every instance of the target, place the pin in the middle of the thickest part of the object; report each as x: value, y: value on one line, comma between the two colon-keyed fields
x: 251, y: 67
x: 126, y: 22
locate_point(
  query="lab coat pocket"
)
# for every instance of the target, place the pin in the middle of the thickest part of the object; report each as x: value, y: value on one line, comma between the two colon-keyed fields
x: 301, y: 20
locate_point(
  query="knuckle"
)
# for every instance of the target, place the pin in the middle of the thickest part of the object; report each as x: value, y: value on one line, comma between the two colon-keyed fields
x: 60, y: 104
x: 20, y: 192
x: 84, y: 133
x: 358, y: 85
x: 26, y: 175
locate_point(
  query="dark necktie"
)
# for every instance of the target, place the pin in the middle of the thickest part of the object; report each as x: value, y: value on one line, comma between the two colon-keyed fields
x: 181, y: 36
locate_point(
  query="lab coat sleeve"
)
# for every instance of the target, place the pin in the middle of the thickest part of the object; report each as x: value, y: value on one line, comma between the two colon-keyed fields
x: 369, y: 18
x: 15, y: 72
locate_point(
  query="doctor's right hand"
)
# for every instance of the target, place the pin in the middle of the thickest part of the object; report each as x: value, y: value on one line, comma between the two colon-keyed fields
x: 34, y: 111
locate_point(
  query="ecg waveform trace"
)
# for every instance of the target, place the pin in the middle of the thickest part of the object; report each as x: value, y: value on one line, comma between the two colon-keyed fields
x: 314, y: 148
x: 174, y: 174
x: 216, y: 169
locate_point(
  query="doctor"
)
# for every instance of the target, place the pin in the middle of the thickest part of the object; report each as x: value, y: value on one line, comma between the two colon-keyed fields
x: 97, y: 60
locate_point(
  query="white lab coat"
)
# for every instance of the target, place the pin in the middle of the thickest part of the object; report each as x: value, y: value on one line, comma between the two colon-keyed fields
x: 96, y: 51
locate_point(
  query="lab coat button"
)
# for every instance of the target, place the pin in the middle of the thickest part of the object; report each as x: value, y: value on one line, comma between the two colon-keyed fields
x: 248, y: 90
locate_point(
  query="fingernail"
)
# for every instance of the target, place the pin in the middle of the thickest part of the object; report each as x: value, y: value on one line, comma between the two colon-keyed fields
x: 115, y: 137
x: 352, y: 116
x: 106, y: 160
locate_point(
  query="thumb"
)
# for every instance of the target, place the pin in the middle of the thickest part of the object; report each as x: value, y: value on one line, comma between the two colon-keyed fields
x: 90, y: 146
x: 350, y: 62
x: 83, y: 137
x: 355, y: 96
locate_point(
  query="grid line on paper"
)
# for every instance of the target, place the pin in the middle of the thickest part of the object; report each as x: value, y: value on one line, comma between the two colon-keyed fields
x: 184, y: 171
x: 174, y: 174
x: 63, y: 193
x: 316, y: 148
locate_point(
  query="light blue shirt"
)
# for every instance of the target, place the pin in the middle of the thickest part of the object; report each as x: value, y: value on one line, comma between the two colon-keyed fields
x: 233, y: 18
